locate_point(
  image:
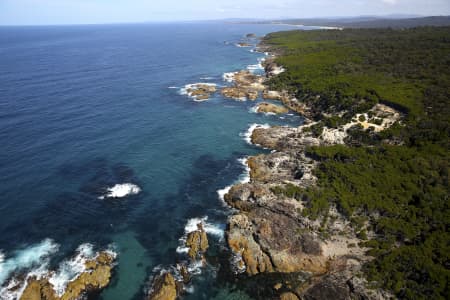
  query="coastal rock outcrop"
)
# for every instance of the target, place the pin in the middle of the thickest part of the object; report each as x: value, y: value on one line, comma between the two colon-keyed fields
x: 266, y: 107
x: 239, y: 93
x: 246, y: 85
x: 197, y: 242
x: 272, y: 68
x: 164, y: 287
x: 244, y: 44
x: 200, y: 91
x: 96, y: 276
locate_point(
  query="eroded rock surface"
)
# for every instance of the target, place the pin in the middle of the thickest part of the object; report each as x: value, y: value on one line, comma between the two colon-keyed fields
x: 164, y: 287
x: 197, y: 242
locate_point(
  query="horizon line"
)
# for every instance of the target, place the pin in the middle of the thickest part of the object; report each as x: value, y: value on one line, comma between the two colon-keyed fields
x: 392, y: 16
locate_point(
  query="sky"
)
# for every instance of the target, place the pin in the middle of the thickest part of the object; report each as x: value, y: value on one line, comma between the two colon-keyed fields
x: 42, y: 12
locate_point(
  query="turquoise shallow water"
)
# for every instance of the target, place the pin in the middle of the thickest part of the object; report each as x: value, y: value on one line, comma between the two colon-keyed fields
x: 83, y: 108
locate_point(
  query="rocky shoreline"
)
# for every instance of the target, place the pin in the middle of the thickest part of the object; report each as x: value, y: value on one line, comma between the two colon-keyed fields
x: 269, y: 232
x: 86, y: 273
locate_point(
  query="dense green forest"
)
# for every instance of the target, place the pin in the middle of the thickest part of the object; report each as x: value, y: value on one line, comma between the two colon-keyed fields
x: 401, y: 188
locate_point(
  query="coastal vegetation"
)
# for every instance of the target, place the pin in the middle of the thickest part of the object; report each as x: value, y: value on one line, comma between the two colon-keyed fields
x: 394, y: 184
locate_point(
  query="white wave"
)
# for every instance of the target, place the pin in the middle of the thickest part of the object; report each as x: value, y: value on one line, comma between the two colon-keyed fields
x: 121, y: 190
x: 255, y: 67
x: 229, y: 76
x: 189, y: 289
x: 195, y: 268
x: 244, y: 177
x: 173, y: 87
x: 70, y: 269
x: 253, y: 109
x: 35, y: 261
x: 192, y: 225
x: 248, y: 134
x: 188, y: 89
x: 258, y: 66
x: 207, y: 78
x: 222, y: 192
x: 237, y: 263
x: 27, y: 258
x: 216, y: 230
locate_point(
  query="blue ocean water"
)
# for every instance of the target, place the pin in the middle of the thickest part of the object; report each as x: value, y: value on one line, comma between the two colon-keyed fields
x: 83, y: 108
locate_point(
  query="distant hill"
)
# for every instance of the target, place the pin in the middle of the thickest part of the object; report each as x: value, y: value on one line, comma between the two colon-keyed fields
x: 369, y: 22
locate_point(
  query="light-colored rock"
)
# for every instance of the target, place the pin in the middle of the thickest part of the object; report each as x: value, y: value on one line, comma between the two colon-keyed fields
x: 163, y: 288
x: 288, y: 296
x: 96, y: 277
x: 265, y: 107
x: 197, y: 242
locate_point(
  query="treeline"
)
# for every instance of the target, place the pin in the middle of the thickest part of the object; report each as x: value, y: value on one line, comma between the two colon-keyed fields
x: 402, y: 191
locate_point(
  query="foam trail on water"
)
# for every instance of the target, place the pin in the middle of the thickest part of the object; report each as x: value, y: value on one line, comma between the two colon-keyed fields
x: 27, y: 258
x: 121, y: 190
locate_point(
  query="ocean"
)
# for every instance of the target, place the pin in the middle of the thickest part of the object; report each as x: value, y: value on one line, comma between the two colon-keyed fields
x: 84, y: 109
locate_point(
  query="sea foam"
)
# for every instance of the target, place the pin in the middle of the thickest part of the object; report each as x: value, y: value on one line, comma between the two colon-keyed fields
x: 243, y: 178
x: 229, y: 76
x: 121, y: 190
x: 188, y: 89
x: 71, y: 268
x: 192, y: 225
x: 27, y: 258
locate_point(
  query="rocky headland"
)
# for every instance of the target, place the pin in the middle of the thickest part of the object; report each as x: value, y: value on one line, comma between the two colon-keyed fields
x: 270, y: 232
x: 265, y: 107
x: 246, y: 85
